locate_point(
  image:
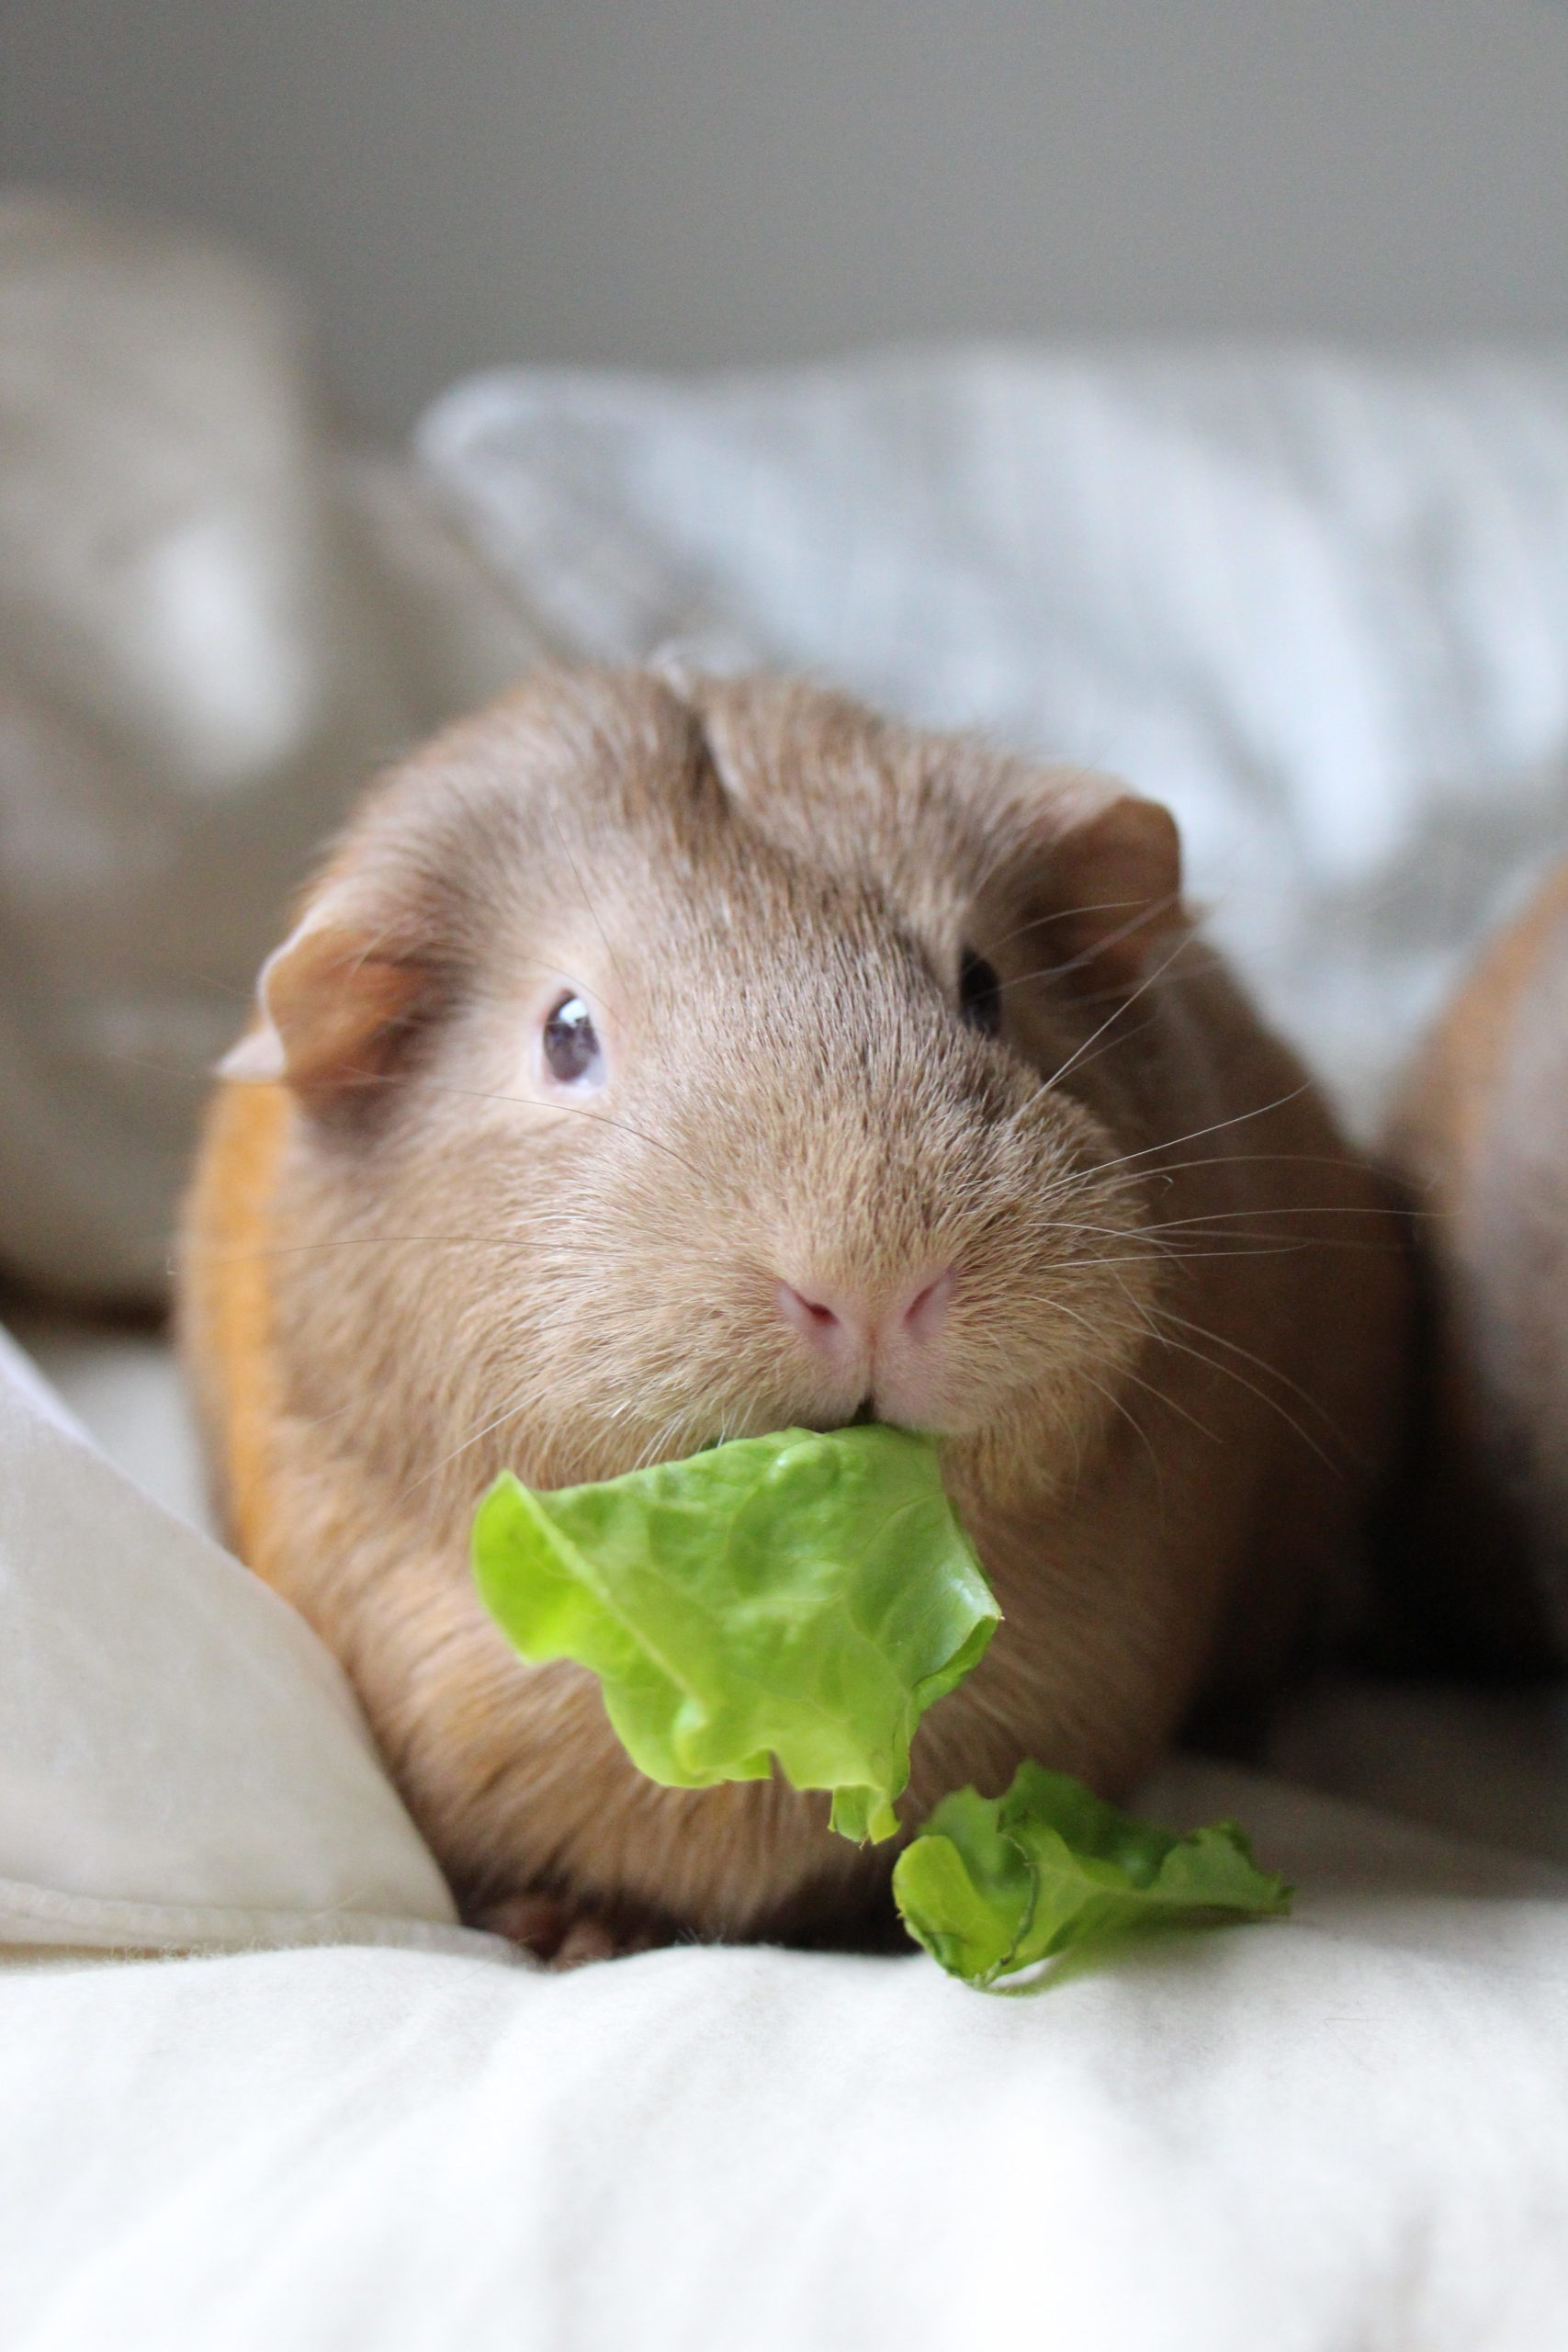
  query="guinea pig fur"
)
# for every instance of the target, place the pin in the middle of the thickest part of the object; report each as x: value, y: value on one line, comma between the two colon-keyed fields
x: 657, y: 1064
x: 1481, y: 1133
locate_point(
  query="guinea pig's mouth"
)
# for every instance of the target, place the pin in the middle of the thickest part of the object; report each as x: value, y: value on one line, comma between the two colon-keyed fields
x: 864, y: 1414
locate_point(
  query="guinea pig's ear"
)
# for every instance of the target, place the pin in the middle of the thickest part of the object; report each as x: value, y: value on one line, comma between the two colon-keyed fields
x: 334, y: 1004
x: 1108, y: 866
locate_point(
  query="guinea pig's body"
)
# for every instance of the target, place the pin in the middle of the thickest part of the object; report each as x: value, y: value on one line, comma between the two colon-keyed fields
x: 1481, y: 1133
x: 656, y: 1065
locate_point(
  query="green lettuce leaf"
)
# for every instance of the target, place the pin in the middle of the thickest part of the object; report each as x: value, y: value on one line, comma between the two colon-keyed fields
x: 802, y: 1597
x: 993, y: 1885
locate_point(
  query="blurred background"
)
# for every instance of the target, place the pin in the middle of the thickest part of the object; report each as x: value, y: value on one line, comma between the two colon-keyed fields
x: 1178, y: 385
x: 685, y: 184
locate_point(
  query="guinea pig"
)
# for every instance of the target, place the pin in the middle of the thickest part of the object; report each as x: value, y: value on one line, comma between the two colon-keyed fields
x: 1479, y: 1133
x: 657, y: 1063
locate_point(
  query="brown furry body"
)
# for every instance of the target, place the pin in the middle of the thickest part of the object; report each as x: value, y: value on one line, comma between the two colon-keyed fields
x: 1481, y: 1133
x: 1165, y: 1380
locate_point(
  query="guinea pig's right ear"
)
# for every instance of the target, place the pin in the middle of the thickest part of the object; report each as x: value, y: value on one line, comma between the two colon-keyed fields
x: 334, y: 1005
x: 1106, y: 863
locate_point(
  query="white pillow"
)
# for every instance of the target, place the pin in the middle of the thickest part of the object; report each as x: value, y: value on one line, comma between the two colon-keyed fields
x: 183, y: 1763
x: 214, y: 624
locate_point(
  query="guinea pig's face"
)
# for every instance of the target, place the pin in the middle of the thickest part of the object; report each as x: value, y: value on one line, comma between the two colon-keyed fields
x: 673, y: 1067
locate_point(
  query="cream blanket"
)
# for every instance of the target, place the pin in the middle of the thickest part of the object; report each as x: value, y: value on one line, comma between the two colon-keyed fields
x: 388, y: 2136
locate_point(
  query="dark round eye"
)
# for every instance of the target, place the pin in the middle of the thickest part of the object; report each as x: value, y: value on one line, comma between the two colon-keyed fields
x: 979, y: 993
x: 571, y: 1042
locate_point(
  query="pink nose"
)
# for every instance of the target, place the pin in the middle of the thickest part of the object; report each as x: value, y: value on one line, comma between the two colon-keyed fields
x: 842, y: 1324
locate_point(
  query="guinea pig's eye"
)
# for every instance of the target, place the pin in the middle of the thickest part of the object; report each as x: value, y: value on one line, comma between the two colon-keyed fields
x: 979, y: 993
x: 572, y: 1051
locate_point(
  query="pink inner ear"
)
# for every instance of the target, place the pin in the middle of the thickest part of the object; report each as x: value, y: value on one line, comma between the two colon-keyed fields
x: 337, y: 1008
x: 1116, y: 874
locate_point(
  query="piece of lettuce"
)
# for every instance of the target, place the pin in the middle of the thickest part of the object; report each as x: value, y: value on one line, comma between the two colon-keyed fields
x: 802, y: 1597
x: 994, y: 1884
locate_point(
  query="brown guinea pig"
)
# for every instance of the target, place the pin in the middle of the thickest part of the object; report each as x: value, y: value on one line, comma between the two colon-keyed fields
x: 655, y: 1064
x: 1480, y: 1135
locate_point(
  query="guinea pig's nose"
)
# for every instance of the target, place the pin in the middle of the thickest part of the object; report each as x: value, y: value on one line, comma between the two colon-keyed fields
x: 920, y: 1310
x: 835, y: 1326
x: 842, y: 1320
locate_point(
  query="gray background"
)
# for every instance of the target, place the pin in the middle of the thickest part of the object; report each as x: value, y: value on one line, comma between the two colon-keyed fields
x: 679, y: 183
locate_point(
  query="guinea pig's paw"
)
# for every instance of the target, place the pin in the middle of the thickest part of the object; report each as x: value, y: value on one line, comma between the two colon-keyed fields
x: 562, y: 1931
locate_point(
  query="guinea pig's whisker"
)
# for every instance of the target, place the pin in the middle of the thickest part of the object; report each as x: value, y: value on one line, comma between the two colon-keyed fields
x: 571, y: 980
x: 1142, y: 1434
x: 325, y: 1420
x: 1221, y: 1216
x: 1140, y: 1314
x: 1272, y: 1371
x: 1239, y: 1118
x: 1171, y: 1405
x: 1073, y: 1431
x: 1257, y: 1247
x: 592, y: 911
x: 1126, y: 1005
x: 581, y: 1110
x: 1159, y: 1395
x: 511, y: 1406
x: 1065, y: 914
x: 201, y: 1075
x: 1123, y: 1037
x: 1185, y: 1257
x: 1239, y: 1159
x: 651, y: 1447
x: 1322, y: 1208
x: 1139, y: 1432
x: 1110, y: 1232
x: 1217, y: 1218
x: 354, y: 1241
x: 1147, y: 914
x: 1230, y: 1373
x: 659, y: 1446
x: 1162, y: 1396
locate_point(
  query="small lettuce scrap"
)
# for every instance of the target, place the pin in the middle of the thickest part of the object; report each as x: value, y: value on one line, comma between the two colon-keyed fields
x: 993, y: 1885
x: 802, y: 1597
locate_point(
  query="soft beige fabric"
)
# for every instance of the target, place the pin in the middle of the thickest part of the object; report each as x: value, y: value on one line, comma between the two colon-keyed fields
x: 1351, y: 2129
x: 125, y: 1387
x: 215, y: 621
x: 182, y: 1762
x: 1347, y: 2130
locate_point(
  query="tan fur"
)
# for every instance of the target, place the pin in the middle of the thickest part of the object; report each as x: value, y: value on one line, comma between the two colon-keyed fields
x: 1447, y: 1108
x: 227, y: 1303
x: 1168, y: 1366
x: 1482, y: 1136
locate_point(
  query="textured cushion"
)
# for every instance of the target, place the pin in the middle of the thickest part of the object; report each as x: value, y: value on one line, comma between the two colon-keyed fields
x: 183, y: 1762
x: 1348, y: 2130
x: 215, y: 621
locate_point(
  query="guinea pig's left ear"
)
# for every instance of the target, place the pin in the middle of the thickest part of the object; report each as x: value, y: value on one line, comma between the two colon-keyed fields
x: 1108, y: 865
x: 334, y: 1004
